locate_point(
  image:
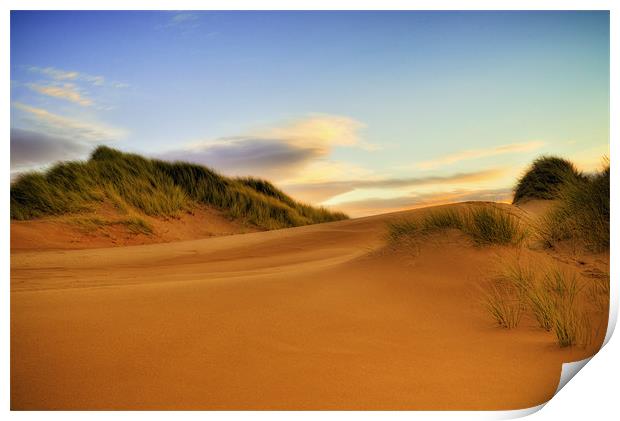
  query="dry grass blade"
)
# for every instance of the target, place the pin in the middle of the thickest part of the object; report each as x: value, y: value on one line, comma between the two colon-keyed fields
x: 504, y: 304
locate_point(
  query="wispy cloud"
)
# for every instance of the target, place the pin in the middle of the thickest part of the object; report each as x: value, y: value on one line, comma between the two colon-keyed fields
x: 72, y: 75
x: 57, y: 125
x: 184, y: 17
x: 324, y: 191
x: 291, y: 151
x: 479, y: 153
x: 56, y: 74
x: 185, y: 22
x: 66, y: 91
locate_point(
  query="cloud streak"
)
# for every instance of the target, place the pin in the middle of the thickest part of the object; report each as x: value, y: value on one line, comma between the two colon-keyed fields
x: 71, y: 75
x: 320, y: 192
x: 373, y: 206
x: 56, y: 125
x: 471, y: 154
x: 180, y: 18
x: 185, y: 23
x: 67, y: 91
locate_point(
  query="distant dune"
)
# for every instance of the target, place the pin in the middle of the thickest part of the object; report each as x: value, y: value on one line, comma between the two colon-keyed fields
x: 116, y: 198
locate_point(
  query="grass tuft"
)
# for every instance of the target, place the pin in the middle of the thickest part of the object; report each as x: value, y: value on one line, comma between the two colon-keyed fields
x: 493, y: 225
x: 504, y: 303
x: 137, y: 225
x: 554, y: 299
x: 485, y: 224
x: 598, y: 293
x: 443, y: 219
x: 92, y: 224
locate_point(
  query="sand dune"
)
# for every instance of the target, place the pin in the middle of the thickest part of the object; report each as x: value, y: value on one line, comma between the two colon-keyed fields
x: 316, y: 317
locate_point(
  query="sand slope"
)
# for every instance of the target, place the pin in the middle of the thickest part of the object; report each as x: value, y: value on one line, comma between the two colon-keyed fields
x: 65, y: 232
x: 316, y: 317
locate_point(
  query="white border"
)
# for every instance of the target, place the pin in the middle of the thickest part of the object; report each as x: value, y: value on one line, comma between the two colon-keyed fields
x: 592, y: 395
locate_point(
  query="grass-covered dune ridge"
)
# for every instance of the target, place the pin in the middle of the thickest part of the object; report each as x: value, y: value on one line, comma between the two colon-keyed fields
x: 544, y: 178
x: 155, y: 188
x: 582, y: 212
x: 580, y: 209
x: 484, y: 223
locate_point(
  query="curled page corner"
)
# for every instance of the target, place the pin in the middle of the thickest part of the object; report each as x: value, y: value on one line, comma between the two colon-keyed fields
x: 568, y: 372
x: 519, y: 413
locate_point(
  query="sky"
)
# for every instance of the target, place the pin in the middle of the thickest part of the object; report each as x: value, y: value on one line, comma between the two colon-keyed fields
x: 364, y: 112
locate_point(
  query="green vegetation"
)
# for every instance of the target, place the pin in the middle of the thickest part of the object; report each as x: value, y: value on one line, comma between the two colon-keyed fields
x: 581, y: 208
x: 554, y: 298
x: 137, y: 225
x: 598, y: 293
x: 493, y: 225
x: 544, y: 178
x: 486, y: 224
x: 504, y: 303
x: 581, y: 212
x: 155, y: 188
x: 88, y: 225
x: 443, y: 219
x: 92, y: 224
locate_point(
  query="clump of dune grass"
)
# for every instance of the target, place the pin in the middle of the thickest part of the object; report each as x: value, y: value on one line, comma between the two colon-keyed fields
x: 544, y: 179
x: 443, y: 219
x: 402, y: 228
x: 504, y: 302
x: 137, y: 225
x: 89, y: 224
x: 534, y: 295
x: 562, y: 283
x: 92, y: 224
x: 570, y: 323
x: 552, y: 296
x: 485, y: 224
x: 572, y: 327
x: 156, y: 188
x: 493, y: 225
x: 598, y: 293
x: 542, y: 306
x: 522, y: 276
x: 581, y: 213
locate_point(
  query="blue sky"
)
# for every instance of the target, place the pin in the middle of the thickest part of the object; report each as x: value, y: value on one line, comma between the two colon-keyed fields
x: 361, y: 111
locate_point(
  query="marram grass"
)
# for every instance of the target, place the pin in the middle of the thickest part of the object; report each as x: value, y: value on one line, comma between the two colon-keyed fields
x: 155, y: 188
x: 485, y: 224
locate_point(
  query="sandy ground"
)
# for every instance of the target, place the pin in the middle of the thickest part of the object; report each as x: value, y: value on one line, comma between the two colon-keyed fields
x: 64, y: 233
x: 317, y: 317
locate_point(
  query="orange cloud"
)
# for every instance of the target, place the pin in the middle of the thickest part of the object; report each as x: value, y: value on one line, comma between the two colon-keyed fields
x: 68, y: 91
x: 324, y: 191
x: 66, y: 75
x: 375, y: 206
